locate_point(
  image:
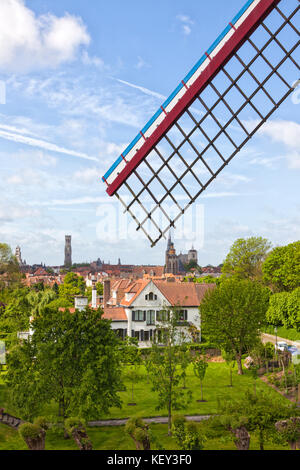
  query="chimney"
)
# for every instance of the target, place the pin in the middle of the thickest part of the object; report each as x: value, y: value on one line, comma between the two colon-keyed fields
x: 106, y: 292
x: 94, y: 293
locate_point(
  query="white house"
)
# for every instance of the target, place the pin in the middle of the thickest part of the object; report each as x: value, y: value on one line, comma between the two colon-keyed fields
x: 137, y: 313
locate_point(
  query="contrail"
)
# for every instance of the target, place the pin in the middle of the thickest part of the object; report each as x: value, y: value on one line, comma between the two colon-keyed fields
x: 143, y: 90
x: 42, y: 144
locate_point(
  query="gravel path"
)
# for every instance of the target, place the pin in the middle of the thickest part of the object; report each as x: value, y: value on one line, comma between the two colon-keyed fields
x: 272, y: 339
x: 156, y: 419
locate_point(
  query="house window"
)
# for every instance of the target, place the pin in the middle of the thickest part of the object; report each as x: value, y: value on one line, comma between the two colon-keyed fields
x: 150, y: 317
x: 183, y: 315
x: 138, y: 315
x: 162, y: 315
x: 146, y: 336
x: 151, y: 296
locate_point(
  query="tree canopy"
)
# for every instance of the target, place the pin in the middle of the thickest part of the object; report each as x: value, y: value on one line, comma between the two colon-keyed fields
x: 281, y: 268
x: 232, y: 315
x: 72, y: 359
x: 284, y: 309
x: 245, y: 257
x: 72, y: 286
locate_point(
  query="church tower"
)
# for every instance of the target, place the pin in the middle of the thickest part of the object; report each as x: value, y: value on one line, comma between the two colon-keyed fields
x: 68, y: 251
x: 18, y: 255
x: 171, y: 262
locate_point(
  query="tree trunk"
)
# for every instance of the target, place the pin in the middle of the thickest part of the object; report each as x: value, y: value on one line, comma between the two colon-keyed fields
x: 201, y: 391
x: 146, y: 444
x: 36, y: 444
x: 293, y: 445
x: 239, y: 363
x: 230, y: 377
x: 82, y: 440
x: 242, y: 441
x: 261, y: 440
x: 169, y: 419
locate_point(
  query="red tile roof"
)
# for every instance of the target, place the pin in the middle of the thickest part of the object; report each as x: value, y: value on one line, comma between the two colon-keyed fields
x: 115, y: 314
x: 183, y: 294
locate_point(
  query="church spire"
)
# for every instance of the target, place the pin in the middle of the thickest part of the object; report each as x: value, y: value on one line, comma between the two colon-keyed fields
x: 169, y: 240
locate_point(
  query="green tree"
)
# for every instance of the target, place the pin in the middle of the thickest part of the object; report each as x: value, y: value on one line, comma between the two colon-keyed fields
x: 192, y: 265
x: 289, y: 431
x: 230, y: 361
x: 281, y: 268
x: 245, y: 257
x: 200, y: 365
x: 164, y: 364
x: 277, y: 313
x: 284, y: 309
x: 55, y: 288
x: 39, y: 300
x: 139, y: 432
x: 293, y: 306
x: 186, y: 434
x: 232, y: 315
x: 255, y: 413
x: 9, y: 267
x: 76, y: 427
x: 15, y: 316
x: 72, y: 359
x: 34, y: 434
x: 72, y: 286
x: 131, y: 359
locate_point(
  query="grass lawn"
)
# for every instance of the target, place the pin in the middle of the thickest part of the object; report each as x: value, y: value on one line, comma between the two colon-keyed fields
x: 215, y: 388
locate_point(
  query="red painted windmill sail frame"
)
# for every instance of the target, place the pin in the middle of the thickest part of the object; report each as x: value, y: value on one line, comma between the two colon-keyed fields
x: 229, y: 51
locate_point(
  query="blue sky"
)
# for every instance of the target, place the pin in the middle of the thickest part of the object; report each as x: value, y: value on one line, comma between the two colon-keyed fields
x: 82, y: 78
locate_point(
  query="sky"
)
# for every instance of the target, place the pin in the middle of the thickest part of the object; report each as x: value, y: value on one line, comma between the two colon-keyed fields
x: 80, y: 80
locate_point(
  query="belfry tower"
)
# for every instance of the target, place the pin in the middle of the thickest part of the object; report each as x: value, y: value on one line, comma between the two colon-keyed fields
x: 68, y: 251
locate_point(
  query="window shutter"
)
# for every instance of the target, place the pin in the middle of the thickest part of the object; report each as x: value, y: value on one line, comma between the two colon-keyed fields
x: 132, y: 333
x: 144, y: 315
x: 133, y: 315
x: 142, y: 335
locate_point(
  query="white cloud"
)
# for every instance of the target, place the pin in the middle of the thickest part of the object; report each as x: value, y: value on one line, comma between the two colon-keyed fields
x: 12, y: 212
x: 186, y: 23
x: 288, y: 134
x: 141, y: 63
x: 29, y: 42
x: 87, y: 176
x: 88, y: 60
x: 185, y: 19
x: 285, y: 132
x: 186, y: 29
x: 267, y: 162
x: 293, y: 159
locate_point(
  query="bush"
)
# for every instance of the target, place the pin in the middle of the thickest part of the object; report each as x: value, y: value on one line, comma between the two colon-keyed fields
x: 73, y: 423
x: 29, y: 431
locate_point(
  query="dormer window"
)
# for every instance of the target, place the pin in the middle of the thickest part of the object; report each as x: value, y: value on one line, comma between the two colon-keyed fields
x: 151, y: 296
